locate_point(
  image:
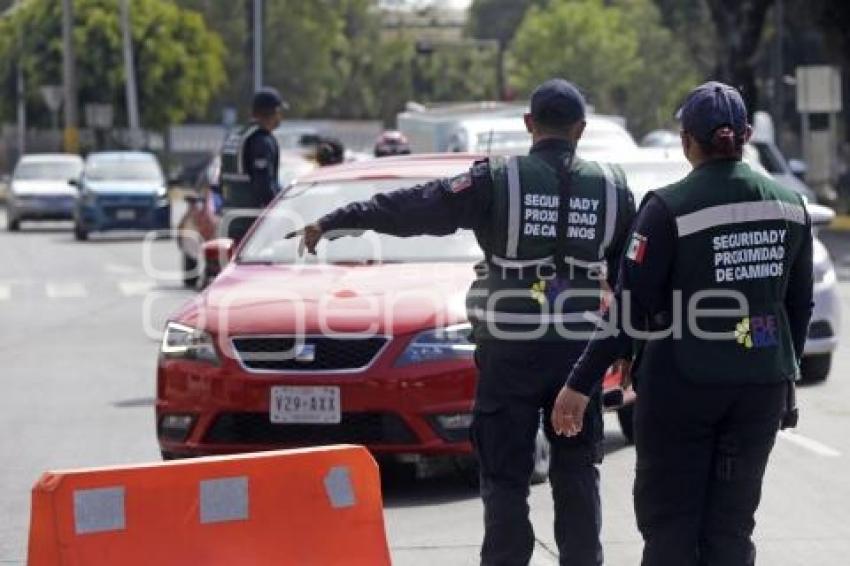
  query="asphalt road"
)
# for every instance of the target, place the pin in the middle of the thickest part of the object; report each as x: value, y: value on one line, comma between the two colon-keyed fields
x: 78, y: 344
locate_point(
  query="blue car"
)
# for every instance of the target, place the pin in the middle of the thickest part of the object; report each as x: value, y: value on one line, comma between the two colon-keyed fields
x: 121, y: 190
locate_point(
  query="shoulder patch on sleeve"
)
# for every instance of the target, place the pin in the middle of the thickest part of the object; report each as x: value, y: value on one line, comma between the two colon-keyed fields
x: 460, y: 183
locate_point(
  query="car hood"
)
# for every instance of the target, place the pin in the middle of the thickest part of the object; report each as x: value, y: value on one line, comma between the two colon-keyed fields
x: 124, y: 187
x: 38, y: 187
x: 384, y: 299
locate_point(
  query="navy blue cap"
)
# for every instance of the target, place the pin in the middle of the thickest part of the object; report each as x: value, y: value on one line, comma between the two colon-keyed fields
x: 557, y: 102
x: 268, y: 99
x: 711, y: 106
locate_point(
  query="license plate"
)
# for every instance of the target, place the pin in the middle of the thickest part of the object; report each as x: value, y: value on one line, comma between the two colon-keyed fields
x: 305, y: 405
x: 125, y: 214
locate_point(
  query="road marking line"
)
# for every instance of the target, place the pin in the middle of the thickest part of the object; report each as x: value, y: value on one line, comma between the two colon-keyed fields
x: 65, y: 290
x: 136, y: 288
x: 809, y: 444
x: 5, y: 292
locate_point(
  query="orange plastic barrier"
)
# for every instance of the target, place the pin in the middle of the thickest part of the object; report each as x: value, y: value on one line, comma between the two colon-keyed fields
x: 317, y: 506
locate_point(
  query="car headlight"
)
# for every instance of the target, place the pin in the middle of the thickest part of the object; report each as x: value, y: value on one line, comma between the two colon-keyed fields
x: 437, y: 345
x: 184, y: 342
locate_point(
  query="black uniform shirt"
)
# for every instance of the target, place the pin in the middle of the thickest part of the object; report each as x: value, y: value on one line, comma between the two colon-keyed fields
x: 442, y: 206
x: 650, y: 288
x: 261, y: 160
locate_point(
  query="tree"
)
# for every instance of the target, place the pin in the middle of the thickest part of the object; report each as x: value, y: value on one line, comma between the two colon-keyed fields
x: 178, y: 60
x: 618, y: 52
x: 739, y: 25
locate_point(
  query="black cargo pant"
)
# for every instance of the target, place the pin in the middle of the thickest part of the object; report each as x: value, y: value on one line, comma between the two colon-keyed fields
x: 701, y: 457
x: 518, y: 384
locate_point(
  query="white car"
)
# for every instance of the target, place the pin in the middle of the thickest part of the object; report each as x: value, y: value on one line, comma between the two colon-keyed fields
x: 41, y: 188
x: 652, y: 168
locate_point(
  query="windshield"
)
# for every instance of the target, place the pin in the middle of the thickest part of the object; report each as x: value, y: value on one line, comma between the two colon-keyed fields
x: 53, y: 170
x: 644, y: 177
x: 124, y: 170
x: 306, y: 203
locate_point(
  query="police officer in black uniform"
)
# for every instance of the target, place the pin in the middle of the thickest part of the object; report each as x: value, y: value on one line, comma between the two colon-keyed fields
x: 552, y: 228
x: 718, y: 278
x: 250, y: 159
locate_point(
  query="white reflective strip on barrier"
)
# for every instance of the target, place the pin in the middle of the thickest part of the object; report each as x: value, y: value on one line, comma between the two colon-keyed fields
x: 339, y: 488
x: 224, y: 499
x: 736, y: 213
x: 514, y: 208
x: 99, y: 510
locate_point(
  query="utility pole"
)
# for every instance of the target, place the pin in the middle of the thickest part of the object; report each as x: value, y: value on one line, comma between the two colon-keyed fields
x: 778, y: 102
x: 22, y: 100
x: 258, y: 44
x: 130, y: 72
x: 69, y: 79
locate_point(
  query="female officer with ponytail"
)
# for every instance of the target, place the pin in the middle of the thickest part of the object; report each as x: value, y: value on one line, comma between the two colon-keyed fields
x: 717, y: 278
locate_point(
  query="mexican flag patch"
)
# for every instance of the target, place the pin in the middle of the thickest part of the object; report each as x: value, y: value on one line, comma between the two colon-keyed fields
x: 637, y: 248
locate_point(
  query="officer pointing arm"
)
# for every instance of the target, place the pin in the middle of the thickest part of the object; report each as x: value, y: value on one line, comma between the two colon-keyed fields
x: 552, y: 228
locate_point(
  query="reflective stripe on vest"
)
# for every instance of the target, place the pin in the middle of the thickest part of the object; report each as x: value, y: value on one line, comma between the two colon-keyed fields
x: 514, y: 208
x: 501, y: 317
x: 737, y: 213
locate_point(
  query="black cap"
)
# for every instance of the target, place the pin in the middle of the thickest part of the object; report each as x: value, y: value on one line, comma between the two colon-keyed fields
x: 711, y: 106
x: 557, y: 102
x: 268, y: 99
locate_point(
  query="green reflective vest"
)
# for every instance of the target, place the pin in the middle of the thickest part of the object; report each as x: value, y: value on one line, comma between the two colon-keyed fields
x: 545, y: 268
x: 737, y: 235
x: 236, y: 189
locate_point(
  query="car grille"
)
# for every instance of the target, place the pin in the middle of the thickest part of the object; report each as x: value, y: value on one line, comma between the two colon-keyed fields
x: 355, y: 428
x: 270, y: 353
x: 820, y: 329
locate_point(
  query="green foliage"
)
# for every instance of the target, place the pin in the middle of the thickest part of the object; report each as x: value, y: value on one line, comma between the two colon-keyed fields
x: 498, y: 19
x: 178, y: 60
x: 619, y: 52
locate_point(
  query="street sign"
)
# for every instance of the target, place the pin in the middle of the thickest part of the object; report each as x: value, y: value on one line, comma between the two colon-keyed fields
x: 99, y: 116
x: 52, y: 95
x: 818, y: 89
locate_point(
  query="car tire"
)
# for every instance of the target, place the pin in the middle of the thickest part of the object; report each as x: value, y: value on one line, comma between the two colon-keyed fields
x: 191, y: 274
x: 542, y: 458
x: 815, y: 368
x: 80, y: 233
x: 168, y: 456
x: 13, y: 224
x: 626, y: 416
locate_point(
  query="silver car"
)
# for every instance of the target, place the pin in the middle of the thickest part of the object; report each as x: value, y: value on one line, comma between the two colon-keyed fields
x: 41, y: 188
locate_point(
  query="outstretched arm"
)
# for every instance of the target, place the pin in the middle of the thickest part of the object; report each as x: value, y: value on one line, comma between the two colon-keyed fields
x: 437, y: 208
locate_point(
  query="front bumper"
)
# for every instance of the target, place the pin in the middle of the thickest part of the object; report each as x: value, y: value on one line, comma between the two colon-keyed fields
x: 123, y: 212
x: 391, y: 411
x: 42, y: 207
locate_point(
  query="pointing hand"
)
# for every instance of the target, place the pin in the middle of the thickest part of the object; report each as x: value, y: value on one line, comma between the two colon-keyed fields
x: 310, y: 236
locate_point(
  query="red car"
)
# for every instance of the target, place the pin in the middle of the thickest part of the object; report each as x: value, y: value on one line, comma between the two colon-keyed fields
x: 366, y: 344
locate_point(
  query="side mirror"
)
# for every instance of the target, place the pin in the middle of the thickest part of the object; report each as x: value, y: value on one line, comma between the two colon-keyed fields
x: 74, y: 182
x: 798, y: 168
